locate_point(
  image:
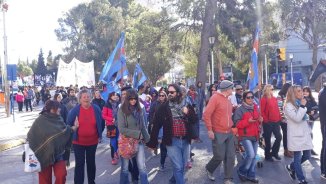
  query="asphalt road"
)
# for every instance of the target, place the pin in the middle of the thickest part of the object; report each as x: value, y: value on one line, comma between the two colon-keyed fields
x: 11, y: 166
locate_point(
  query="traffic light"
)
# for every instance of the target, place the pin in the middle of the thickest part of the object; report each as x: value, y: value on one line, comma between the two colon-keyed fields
x: 281, y: 55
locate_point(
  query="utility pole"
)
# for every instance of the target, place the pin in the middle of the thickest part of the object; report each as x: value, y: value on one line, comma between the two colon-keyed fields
x: 4, y: 7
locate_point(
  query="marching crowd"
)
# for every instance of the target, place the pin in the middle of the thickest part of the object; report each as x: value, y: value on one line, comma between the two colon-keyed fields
x: 168, y: 119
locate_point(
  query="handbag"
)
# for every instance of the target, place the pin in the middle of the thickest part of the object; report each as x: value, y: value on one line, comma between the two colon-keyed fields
x: 31, y: 162
x: 111, y: 131
x: 128, y: 147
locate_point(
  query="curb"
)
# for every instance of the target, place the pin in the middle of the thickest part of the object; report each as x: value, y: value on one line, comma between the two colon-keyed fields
x: 11, y: 144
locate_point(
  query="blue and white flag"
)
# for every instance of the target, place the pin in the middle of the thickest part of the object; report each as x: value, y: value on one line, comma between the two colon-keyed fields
x: 139, y: 76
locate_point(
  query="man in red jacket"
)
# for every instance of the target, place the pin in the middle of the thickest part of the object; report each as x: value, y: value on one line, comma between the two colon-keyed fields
x: 217, y: 117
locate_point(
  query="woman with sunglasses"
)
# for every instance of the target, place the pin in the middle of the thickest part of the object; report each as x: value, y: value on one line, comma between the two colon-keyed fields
x: 131, y: 123
x: 271, y: 123
x: 247, y: 119
x: 299, y: 132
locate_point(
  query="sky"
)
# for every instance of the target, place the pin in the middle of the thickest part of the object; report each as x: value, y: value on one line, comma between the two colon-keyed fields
x: 30, y: 26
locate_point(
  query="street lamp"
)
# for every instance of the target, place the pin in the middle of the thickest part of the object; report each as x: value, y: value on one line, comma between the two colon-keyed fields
x: 211, y: 43
x: 291, y: 62
x: 138, y: 58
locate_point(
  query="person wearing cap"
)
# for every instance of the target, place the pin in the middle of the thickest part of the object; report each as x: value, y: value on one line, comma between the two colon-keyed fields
x: 236, y: 98
x: 217, y: 118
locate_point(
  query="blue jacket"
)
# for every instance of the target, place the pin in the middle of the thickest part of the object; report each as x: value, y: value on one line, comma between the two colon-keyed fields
x: 74, y: 112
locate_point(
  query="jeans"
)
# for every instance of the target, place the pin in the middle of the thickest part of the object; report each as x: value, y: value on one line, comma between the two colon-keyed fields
x: 114, y: 143
x: 20, y: 106
x: 323, y: 148
x: 270, y: 128
x: 284, y: 128
x: 28, y: 103
x: 140, y: 157
x: 223, y: 150
x: 163, y: 153
x: 248, y: 165
x: 178, y: 153
x: 298, y: 159
x: 80, y: 152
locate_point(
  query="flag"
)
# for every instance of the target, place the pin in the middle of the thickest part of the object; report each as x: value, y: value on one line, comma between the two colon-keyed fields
x: 321, y: 68
x: 252, y: 78
x: 110, y: 87
x: 115, y: 66
x: 139, y: 76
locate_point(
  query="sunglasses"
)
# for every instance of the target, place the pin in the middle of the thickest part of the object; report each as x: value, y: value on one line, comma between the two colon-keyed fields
x: 130, y: 99
x: 239, y: 89
x: 172, y: 92
x: 161, y: 95
x: 250, y: 97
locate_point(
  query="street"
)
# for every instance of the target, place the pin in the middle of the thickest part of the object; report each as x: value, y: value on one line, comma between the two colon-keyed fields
x: 11, y: 170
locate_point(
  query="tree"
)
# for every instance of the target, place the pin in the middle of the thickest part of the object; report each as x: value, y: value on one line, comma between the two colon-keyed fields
x: 41, y: 68
x: 23, y: 69
x: 33, y: 65
x: 306, y: 20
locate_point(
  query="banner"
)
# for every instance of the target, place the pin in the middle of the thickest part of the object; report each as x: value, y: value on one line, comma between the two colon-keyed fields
x: 75, y: 72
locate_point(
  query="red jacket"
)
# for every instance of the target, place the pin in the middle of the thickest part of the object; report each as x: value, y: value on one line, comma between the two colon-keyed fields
x: 270, y: 110
x: 241, y: 118
x: 19, y: 97
x: 107, y: 115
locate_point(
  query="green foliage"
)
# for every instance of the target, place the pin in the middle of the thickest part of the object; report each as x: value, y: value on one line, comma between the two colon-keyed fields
x: 40, y: 68
x: 23, y: 69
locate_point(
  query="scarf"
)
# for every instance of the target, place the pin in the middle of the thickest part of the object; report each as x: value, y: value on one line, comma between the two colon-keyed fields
x: 115, y: 111
x: 136, y: 115
x: 247, y: 106
x: 298, y: 103
x: 49, y: 137
x: 176, y: 109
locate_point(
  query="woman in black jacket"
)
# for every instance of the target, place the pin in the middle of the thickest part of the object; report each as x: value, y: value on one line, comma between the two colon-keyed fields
x: 312, y: 109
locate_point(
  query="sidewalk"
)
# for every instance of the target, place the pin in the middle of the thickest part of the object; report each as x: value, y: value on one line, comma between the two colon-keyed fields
x: 13, y: 133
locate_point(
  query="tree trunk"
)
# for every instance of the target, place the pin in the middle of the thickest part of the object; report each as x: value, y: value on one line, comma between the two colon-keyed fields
x: 314, y: 65
x: 208, y: 28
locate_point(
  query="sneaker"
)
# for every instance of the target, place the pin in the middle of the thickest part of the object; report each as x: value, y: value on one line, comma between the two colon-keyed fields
x: 323, y: 176
x: 114, y: 161
x: 313, y: 153
x: 189, y: 165
x: 162, y: 168
x: 269, y: 159
x: 290, y: 171
x: 303, y: 182
x: 276, y: 157
x: 241, y: 176
x: 228, y: 181
x: 210, y: 175
x: 253, y: 180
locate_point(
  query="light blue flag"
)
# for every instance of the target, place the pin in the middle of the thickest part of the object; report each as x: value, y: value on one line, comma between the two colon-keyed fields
x: 110, y: 87
x: 115, y: 63
x: 253, y: 78
x: 139, y: 76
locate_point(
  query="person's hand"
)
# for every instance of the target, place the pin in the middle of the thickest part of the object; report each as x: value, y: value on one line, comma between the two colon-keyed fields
x: 260, y: 119
x: 252, y: 120
x: 76, y: 123
x: 159, y: 141
x: 211, y: 135
x: 312, y: 112
x: 185, y: 110
x: 234, y: 130
x: 303, y: 101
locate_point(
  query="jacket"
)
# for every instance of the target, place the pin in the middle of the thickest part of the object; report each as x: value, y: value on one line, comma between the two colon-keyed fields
x: 218, y: 114
x: 74, y: 112
x: 20, y: 97
x: 298, y: 130
x: 164, y: 119
x: 270, y: 110
x: 129, y: 127
x: 107, y: 114
x: 241, y: 120
x: 322, y: 106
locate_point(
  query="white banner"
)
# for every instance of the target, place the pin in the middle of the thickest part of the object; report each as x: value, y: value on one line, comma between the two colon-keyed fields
x: 76, y: 72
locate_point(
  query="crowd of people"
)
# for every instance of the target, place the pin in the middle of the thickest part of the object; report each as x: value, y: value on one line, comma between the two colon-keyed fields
x: 169, y: 119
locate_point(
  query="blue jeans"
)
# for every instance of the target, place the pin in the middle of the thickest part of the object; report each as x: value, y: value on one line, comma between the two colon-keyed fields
x: 178, y: 153
x: 248, y: 165
x: 140, y: 157
x: 298, y: 159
